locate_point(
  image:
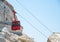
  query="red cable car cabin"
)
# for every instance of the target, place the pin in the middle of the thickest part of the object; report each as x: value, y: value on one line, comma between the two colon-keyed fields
x: 15, y: 24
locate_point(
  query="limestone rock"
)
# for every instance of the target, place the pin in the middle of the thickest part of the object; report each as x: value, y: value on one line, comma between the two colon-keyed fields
x: 55, y: 37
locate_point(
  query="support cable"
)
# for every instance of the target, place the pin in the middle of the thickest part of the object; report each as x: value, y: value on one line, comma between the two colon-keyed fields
x: 33, y: 26
x: 34, y: 16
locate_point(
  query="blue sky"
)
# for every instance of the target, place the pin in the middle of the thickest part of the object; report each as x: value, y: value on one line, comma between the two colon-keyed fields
x: 47, y: 11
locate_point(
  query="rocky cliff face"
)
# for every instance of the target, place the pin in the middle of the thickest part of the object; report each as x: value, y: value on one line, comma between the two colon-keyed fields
x: 6, y: 15
x: 5, y: 12
x: 55, y: 37
x: 6, y: 35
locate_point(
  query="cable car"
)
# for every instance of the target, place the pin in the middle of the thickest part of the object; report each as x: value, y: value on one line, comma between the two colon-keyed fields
x: 15, y: 24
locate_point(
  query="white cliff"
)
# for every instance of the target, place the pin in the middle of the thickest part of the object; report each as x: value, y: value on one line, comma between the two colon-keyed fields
x: 55, y: 37
x: 6, y: 34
